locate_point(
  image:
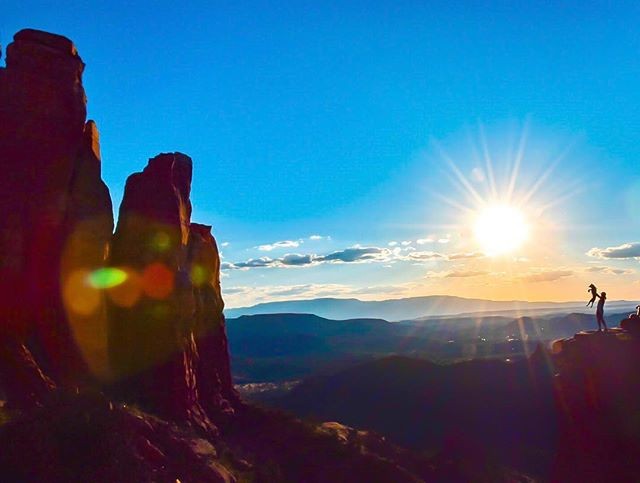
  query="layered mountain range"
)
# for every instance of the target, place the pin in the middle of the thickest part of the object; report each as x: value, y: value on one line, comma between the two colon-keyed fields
x: 431, y: 306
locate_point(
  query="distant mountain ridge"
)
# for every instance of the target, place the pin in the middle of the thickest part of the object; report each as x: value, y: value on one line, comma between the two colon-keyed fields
x: 410, y: 308
x: 285, y: 347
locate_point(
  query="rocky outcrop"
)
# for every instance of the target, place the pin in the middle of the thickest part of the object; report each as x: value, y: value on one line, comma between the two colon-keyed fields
x: 213, y: 369
x: 141, y: 311
x: 172, y: 335
x: 85, y: 437
x: 598, y: 396
x: 50, y: 194
x: 89, y: 224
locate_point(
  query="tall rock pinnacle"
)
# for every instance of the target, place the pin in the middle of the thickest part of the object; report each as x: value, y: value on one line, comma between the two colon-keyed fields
x: 167, y: 329
x: 51, y: 189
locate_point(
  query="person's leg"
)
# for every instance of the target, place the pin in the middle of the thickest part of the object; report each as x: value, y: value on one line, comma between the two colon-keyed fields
x: 599, y: 320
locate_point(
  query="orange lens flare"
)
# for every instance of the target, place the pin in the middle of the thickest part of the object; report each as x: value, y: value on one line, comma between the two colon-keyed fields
x: 127, y: 293
x: 79, y: 296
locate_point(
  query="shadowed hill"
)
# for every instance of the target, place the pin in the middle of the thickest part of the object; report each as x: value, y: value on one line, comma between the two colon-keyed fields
x: 507, y: 407
x: 282, y: 347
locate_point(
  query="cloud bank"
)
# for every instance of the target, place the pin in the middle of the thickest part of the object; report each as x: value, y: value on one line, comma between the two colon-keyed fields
x: 624, y: 251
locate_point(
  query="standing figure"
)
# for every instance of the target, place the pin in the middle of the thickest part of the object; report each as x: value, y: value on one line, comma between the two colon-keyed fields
x: 600, y: 311
x: 594, y: 293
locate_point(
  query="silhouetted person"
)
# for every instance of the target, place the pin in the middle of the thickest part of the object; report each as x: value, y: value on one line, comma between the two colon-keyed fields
x: 600, y: 311
x: 594, y: 293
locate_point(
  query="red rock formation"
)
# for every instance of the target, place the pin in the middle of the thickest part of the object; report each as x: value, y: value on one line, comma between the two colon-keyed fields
x: 167, y: 323
x: 89, y: 224
x: 216, y: 388
x: 51, y: 185
x: 598, y: 396
x: 171, y: 336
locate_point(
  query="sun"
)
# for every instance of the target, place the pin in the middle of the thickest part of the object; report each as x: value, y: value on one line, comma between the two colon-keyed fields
x: 500, y: 229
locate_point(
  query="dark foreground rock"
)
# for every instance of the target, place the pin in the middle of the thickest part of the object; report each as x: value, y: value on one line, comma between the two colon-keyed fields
x: 598, y: 401
x: 85, y: 437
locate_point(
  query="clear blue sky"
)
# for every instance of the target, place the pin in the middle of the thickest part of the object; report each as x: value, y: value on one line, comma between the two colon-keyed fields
x: 307, y: 119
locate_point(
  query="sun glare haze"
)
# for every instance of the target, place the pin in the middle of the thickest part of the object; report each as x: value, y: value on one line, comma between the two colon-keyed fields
x: 500, y: 230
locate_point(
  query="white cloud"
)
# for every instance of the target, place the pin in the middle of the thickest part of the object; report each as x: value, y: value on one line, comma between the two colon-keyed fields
x: 610, y: 270
x: 456, y: 274
x: 546, y: 275
x: 463, y: 256
x: 279, y: 244
x: 354, y: 254
x: 626, y: 250
x: 422, y: 255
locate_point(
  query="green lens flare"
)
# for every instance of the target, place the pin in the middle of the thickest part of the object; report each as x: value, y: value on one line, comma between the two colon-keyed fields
x: 107, y: 277
x: 161, y: 242
x: 199, y: 275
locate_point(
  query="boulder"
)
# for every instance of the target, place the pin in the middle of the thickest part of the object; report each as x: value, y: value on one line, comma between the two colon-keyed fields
x: 631, y: 324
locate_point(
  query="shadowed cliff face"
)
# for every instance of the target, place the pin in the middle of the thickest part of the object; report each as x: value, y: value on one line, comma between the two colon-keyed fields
x: 55, y: 210
x: 141, y: 309
x: 172, y: 292
x: 217, y: 392
x: 598, y: 400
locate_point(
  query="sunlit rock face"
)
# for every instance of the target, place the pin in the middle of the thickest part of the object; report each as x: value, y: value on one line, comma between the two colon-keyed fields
x: 167, y: 328
x: 598, y: 400
x: 216, y: 388
x: 51, y: 192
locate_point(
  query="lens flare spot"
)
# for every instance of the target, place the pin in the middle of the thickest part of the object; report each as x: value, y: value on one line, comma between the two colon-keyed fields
x: 127, y: 293
x: 107, y: 277
x: 199, y: 275
x: 79, y: 296
x: 157, y: 281
x: 161, y: 241
x: 159, y: 312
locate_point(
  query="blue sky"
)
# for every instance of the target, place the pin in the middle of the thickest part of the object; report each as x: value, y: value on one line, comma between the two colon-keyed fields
x: 337, y: 120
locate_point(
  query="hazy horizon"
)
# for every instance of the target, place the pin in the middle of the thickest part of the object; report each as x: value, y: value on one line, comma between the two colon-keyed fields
x: 361, y: 299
